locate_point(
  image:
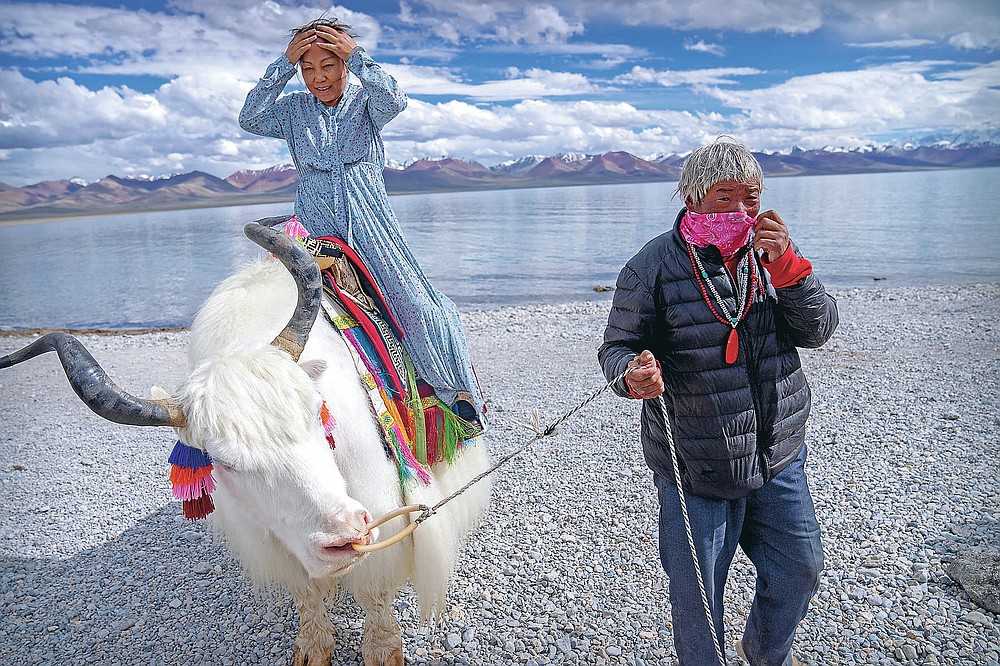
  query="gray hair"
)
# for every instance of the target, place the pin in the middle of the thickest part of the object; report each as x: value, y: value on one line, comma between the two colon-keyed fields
x: 723, y: 159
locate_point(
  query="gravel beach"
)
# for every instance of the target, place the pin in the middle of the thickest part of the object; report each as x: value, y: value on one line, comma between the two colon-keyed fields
x: 100, y: 568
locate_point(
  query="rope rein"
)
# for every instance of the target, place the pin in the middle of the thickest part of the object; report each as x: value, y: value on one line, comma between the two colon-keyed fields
x: 549, y: 430
x: 687, y: 529
x: 428, y: 511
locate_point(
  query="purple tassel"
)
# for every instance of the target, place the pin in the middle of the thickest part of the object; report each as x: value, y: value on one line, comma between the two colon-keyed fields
x: 188, y: 456
x: 191, y: 477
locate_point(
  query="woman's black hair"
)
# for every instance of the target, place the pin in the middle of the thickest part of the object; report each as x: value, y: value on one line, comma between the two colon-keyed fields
x: 334, y: 23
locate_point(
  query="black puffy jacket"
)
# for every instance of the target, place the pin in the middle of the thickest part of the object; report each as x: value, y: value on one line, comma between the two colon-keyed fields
x: 734, y: 426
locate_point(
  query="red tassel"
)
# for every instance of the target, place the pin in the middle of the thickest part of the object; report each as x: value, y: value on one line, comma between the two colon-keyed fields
x: 732, y: 347
x: 197, y: 509
x: 434, y: 428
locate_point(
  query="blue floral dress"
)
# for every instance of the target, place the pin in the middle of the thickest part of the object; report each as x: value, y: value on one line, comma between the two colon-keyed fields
x: 339, y: 156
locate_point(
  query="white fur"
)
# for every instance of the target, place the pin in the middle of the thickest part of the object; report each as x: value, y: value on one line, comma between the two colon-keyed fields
x: 282, y: 493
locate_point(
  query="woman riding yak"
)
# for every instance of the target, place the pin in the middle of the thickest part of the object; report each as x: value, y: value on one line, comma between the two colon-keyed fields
x: 333, y: 135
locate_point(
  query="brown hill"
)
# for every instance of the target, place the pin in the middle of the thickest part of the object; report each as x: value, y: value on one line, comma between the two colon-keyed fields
x: 626, y: 164
x: 555, y: 166
x: 196, y: 189
x: 19, y: 197
x: 282, y: 178
x: 108, y: 191
x: 189, y: 186
x: 441, y: 174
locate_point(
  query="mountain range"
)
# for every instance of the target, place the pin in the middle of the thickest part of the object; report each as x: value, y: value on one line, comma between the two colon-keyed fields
x: 113, y: 194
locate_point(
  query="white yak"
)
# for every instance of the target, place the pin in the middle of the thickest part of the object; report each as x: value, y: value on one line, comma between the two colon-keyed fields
x: 288, y: 506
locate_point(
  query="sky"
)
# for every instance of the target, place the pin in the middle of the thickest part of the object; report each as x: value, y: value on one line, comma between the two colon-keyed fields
x: 154, y: 87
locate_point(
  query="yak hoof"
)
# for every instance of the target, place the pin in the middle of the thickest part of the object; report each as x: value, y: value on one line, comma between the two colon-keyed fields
x: 394, y: 658
x: 316, y: 656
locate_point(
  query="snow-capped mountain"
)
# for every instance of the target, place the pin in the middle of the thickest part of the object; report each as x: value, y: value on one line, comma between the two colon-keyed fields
x: 978, y: 148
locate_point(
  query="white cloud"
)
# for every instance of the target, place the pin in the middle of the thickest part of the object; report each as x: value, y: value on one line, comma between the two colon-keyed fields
x: 892, y: 44
x: 492, y: 134
x: 528, y: 84
x: 62, y: 113
x: 540, y: 23
x: 702, y: 47
x: 974, y: 39
x: 473, y: 20
x: 692, y: 77
x: 232, y: 36
x: 971, y: 24
x: 836, y: 108
x: 576, y: 48
x: 57, y: 129
x: 788, y: 16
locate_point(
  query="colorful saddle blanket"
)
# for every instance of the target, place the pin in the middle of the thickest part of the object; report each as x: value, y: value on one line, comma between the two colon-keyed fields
x: 418, y: 429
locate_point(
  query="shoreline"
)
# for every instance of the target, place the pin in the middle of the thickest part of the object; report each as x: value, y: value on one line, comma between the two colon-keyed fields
x: 606, y: 293
x: 902, y: 449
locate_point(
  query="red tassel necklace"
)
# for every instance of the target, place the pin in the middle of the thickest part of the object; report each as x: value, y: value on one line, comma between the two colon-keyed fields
x: 746, y: 275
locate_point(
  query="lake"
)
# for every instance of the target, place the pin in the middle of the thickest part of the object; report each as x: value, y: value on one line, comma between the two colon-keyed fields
x: 507, y: 247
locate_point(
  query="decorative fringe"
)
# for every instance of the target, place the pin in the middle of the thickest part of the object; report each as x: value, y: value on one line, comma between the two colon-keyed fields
x: 434, y: 418
x: 191, y: 483
x: 415, y: 413
x: 328, y: 422
x: 419, y: 430
x: 197, y: 509
x: 191, y: 478
x: 409, y: 467
x: 445, y: 433
x: 294, y: 229
x: 455, y: 434
x: 393, y: 425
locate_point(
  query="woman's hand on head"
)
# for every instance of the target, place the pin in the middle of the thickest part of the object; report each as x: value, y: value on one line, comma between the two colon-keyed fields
x: 337, y: 41
x: 299, y: 45
x: 770, y: 235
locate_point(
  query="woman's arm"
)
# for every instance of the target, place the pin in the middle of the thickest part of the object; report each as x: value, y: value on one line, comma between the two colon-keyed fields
x: 263, y: 113
x: 385, y: 99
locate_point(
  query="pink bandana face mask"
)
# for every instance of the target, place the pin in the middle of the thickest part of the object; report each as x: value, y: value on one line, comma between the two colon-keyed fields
x: 726, y: 231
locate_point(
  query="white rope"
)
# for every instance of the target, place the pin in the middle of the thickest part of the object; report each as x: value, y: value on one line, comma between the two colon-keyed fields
x: 551, y: 429
x: 540, y: 433
x: 687, y: 528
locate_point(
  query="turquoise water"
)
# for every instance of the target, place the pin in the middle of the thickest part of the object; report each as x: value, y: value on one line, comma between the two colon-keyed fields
x: 508, y: 247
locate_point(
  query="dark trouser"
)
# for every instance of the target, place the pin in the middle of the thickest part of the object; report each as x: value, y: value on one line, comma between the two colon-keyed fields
x: 776, y: 527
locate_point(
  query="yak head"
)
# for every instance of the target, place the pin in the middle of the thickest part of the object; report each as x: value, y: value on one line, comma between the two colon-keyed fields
x: 256, y: 412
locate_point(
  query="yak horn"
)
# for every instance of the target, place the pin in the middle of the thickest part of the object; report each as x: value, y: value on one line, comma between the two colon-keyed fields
x: 307, y: 278
x: 95, y: 388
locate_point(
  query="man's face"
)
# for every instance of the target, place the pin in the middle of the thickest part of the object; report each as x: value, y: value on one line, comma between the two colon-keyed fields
x: 729, y: 196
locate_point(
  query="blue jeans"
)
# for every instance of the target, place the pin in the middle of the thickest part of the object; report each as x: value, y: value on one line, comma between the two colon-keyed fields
x: 776, y: 527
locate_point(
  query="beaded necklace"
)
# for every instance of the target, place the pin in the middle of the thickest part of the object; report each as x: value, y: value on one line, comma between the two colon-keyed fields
x: 746, y: 275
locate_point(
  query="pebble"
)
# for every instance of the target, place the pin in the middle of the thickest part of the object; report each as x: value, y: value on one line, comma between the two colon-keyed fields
x: 99, y: 566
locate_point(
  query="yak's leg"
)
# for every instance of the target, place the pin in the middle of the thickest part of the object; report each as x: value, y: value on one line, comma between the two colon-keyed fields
x: 382, y: 644
x: 317, y: 636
